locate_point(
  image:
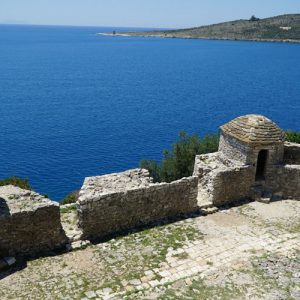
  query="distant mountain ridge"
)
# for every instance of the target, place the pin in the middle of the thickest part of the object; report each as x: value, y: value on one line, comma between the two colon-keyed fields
x: 279, y: 28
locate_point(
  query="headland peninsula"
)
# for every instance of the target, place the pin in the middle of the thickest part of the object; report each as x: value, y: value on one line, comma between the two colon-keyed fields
x: 283, y: 28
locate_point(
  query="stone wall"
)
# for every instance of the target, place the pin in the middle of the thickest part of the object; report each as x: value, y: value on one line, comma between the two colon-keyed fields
x: 234, y: 150
x: 275, y: 154
x: 233, y: 184
x: 292, y: 153
x: 29, y: 223
x: 221, y: 183
x: 284, y: 179
x: 204, y: 169
x: 107, y: 205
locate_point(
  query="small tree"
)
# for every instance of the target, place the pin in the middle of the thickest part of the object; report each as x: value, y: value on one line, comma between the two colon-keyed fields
x: 71, y: 198
x: 253, y: 19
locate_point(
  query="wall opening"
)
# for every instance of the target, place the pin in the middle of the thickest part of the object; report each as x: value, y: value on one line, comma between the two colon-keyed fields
x: 261, y: 165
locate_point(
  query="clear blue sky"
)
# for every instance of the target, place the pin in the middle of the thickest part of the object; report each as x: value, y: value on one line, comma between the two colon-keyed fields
x: 139, y: 13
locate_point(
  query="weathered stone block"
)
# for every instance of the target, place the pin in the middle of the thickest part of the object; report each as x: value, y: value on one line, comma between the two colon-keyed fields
x: 29, y: 223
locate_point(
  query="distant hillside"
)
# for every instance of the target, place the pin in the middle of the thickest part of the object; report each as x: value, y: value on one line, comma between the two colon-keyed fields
x: 280, y: 28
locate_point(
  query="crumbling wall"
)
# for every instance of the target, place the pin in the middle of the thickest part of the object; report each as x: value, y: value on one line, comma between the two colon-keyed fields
x: 221, y: 183
x: 292, y: 153
x: 204, y: 169
x: 103, y: 210
x: 284, y: 179
x: 29, y: 223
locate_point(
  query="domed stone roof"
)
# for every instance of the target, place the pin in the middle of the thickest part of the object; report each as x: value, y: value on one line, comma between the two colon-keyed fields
x: 254, y: 130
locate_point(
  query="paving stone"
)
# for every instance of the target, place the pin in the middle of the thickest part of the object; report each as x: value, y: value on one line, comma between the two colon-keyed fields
x: 243, y: 237
x: 135, y: 282
x: 90, y: 294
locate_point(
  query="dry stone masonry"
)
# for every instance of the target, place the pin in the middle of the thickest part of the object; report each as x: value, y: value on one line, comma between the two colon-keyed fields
x: 221, y: 182
x: 29, y: 223
x: 292, y: 153
x: 253, y: 161
x: 117, y: 202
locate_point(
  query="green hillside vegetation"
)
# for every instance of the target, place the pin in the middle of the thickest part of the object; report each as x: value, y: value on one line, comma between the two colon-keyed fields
x: 284, y: 27
x: 179, y: 161
x: 292, y: 136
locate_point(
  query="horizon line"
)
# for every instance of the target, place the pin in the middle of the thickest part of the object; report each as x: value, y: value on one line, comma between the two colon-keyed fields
x: 137, y: 27
x: 90, y: 26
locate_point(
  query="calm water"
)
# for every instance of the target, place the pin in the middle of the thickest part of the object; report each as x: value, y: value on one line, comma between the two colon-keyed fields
x: 74, y: 104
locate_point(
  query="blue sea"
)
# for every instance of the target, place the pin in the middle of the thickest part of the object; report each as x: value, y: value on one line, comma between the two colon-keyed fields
x: 74, y: 104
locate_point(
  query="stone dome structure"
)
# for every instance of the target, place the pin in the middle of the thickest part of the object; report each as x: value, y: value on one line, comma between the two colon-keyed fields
x: 254, y: 130
x: 253, y: 162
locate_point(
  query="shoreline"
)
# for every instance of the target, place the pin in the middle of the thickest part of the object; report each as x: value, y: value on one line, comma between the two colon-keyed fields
x: 289, y: 41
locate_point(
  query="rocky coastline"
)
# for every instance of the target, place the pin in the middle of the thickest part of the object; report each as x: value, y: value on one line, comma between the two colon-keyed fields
x: 135, y: 34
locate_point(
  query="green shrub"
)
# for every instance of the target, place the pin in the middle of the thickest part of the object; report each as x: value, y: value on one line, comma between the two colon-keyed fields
x: 254, y: 19
x: 71, y: 198
x: 16, y: 181
x: 179, y: 162
x: 69, y: 209
x: 153, y: 167
x: 292, y: 136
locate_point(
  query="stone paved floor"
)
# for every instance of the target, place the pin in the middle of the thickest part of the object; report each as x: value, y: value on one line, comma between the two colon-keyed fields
x: 247, y: 252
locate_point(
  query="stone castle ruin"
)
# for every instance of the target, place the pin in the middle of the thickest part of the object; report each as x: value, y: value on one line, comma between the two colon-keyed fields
x: 253, y: 162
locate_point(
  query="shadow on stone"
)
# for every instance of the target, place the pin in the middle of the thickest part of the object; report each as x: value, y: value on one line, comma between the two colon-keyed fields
x: 4, y: 209
x: 236, y: 203
x: 20, y: 265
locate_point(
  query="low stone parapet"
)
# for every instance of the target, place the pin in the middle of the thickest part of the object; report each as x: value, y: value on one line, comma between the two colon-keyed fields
x: 118, y: 202
x: 29, y: 223
x: 285, y: 179
x: 292, y: 153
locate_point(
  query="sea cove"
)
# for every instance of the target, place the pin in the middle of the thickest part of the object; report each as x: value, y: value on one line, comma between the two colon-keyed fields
x: 74, y: 104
